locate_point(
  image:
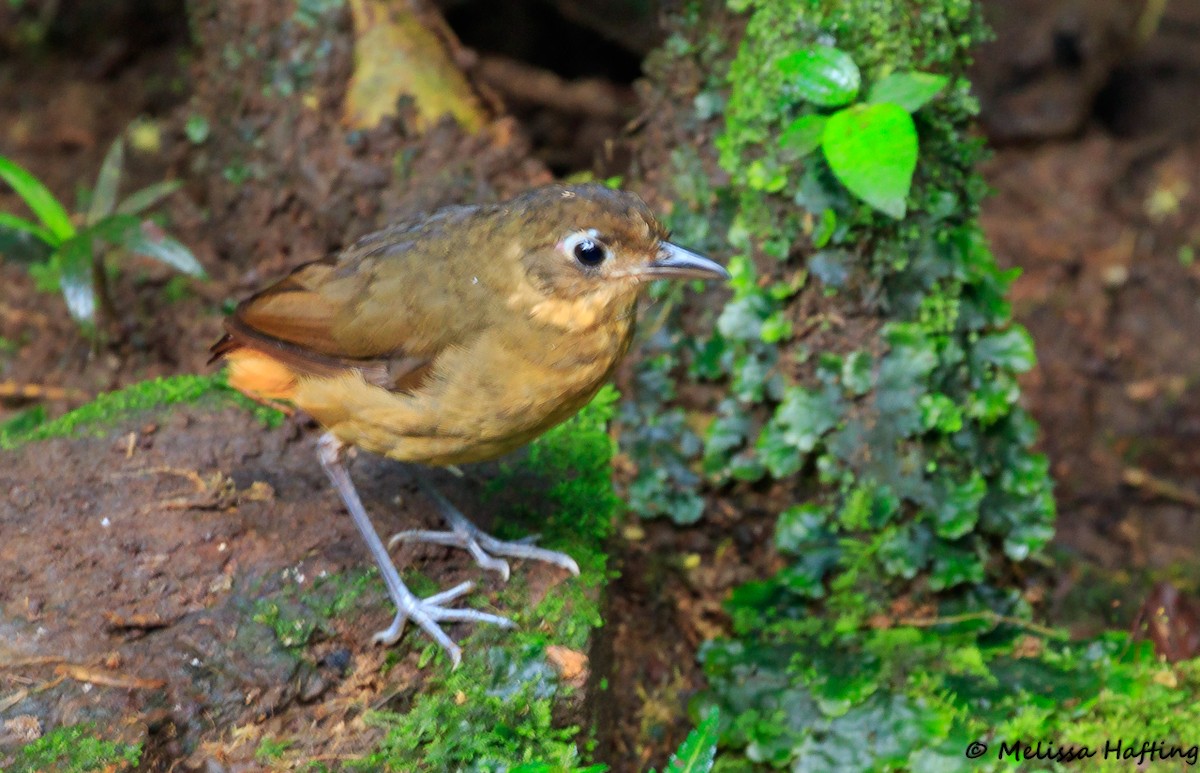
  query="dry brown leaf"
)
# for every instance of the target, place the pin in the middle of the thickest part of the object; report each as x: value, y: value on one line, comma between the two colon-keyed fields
x: 570, y: 664
x: 396, y: 55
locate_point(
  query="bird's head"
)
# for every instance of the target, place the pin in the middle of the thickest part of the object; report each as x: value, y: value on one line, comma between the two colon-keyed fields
x: 594, y: 246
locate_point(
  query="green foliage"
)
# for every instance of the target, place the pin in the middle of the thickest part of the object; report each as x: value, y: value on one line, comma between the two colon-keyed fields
x: 915, y: 698
x: 662, y: 443
x: 699, y: 749
x: 197, y: 129
x: 73, y: 749
x: 109, y: 408
x: 919, y: 454
x: 904, y: 432
x: 658, y: 438
x: 870, y: 148
x: 75, y: 265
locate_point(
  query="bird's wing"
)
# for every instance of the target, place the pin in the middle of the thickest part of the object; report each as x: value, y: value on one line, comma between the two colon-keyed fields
x: 382, y: 308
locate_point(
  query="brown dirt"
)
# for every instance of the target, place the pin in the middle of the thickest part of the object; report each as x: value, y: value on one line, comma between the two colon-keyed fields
x: 129, y: 594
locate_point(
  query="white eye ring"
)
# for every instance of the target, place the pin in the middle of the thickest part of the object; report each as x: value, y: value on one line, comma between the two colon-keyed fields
x: 586, y: 248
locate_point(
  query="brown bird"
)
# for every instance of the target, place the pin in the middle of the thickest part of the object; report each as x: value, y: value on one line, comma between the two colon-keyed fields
x: 454, y: 338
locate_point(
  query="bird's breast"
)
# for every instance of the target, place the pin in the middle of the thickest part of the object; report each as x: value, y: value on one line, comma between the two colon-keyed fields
x: 482, y: 400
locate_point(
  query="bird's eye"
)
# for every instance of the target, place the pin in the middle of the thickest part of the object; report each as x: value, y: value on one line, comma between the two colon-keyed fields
x: 586, y: 248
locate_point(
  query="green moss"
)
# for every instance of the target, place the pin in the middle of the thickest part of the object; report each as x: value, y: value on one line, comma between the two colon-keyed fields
x: 73, y: 749
x: 497, y: 710
x: 112, y: 407
x: 298, y: 612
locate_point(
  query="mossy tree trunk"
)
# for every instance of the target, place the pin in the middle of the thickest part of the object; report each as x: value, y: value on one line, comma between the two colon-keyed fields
x: 870, y: 363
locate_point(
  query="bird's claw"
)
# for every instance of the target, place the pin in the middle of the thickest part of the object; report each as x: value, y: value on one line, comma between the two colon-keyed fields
x: 428, y: 612
x: 486, y: 549
x: 457, y: 540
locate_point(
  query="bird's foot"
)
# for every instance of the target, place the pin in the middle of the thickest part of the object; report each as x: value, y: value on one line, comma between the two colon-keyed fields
x: 428, y: 612
x: 485, y: 548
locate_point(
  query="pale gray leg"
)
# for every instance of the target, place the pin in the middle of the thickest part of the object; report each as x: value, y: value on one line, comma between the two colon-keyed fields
x: 484, y: 548
x: 424, y: 612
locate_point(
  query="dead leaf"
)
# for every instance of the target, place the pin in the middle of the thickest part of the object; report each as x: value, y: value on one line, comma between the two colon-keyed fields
x: 396, y: 55
x: 570, y: 664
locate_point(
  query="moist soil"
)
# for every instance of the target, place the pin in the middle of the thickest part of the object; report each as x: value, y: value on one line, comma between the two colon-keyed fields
x: 133, y: 593
x: 146, y: 566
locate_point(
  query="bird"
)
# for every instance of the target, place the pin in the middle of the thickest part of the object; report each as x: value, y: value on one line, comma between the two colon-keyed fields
x: 455, y: 337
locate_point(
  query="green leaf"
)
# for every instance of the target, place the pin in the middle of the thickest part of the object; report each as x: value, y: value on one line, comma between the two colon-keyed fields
x: 954, y: 566
x: 909, y: 90
x: 856, y: 373
x: 75, y: 278
x: 104, y: 197
x: 776, y: 328
x: 764, y: 176
x: 872, y: 149
x: 823, y: 75
x: 800, y: 421
x: 149, y: 240
x: 803, y: 135
x: 138, y: 202
x: 939, y: 412
x: 957, y: 512
x: 1011, y: 349
x: 14, y: 223
x: 39, y: 199
x: 699, y: 748
x: 115, y: 229
x: 196, y: 128
x: 798, y: 527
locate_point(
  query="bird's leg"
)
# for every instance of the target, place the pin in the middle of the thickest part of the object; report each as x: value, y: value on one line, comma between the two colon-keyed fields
x: 483, y: 547
x: 426, y: 613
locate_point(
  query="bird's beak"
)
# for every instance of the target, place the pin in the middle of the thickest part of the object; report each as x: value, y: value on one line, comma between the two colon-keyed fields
x: 674, y: 262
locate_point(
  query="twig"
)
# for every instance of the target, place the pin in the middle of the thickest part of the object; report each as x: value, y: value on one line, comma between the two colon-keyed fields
x: 523, y: 83
x: 41, y: 392
x: 1159, y: 487
x: 201, y: 485
x: 38, y: 660
x: 106, y: 679
x: 986, y: 615
x: 13, y: 700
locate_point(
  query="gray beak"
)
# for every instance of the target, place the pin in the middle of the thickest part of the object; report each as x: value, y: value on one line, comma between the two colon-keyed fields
x: 674, y: 262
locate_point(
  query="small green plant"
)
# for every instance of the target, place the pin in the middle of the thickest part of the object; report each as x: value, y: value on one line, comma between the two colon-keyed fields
x: 870, y: 146
x: 76, y: 265
x: 270, y: 749
x: 699, y: 750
